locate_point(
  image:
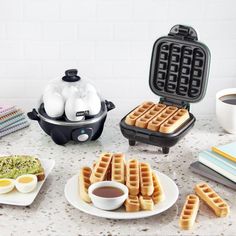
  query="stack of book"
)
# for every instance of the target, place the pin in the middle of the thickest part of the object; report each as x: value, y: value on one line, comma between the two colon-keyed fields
x: 11, y: 120
x: 218, y: 164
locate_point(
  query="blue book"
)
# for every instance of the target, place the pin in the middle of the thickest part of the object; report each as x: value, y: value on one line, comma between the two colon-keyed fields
x: 227, y: 151
x: 219, y: 164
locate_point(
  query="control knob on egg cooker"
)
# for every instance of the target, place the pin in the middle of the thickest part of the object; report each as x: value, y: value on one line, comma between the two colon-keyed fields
x: 71, y: 109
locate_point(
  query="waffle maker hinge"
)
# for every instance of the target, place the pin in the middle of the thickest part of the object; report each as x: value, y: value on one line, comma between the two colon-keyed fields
x: 183, y: 32
x: 176, y: 103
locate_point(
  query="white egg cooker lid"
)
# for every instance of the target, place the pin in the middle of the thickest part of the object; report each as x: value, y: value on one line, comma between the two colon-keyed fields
x: 71, y: 97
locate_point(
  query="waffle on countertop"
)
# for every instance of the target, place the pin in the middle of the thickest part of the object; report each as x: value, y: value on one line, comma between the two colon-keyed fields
x: 189, y: 212
x: 157, y: 117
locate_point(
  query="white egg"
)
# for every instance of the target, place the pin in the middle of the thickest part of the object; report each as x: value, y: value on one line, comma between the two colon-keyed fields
x: 73, y: 106
x: 6, y: 185
x: 54, y: 104
x: 52, y: 88
x: 90, y: 88
x: 69, y: 91
x: 94, y: 103
x: 26, y: 183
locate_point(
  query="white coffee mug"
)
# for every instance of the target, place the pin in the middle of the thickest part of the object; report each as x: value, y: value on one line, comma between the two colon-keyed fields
x: 226, y: 113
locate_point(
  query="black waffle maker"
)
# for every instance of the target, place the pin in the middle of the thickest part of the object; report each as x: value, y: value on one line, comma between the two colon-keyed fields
x: 179, y: 75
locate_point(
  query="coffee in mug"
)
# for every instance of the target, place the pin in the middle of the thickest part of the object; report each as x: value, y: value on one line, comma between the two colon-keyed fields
x: 230, y: 99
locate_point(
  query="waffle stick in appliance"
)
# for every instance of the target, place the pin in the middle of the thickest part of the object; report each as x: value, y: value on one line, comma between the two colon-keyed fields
x: 143, y: 121
x: 132, y: 204
x: 189, y: 212
x: 155, y: 123
x: 118, y: 168
x: 101, y: 168
x: 174, y: 121
x: 132, y: 177
x: 138, y: 112
x: 158, y: 193
x: 146, y: 181
x: 212, y: 199
x: 84, y: 183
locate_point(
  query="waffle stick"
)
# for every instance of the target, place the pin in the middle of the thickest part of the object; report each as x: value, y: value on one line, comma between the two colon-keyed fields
x: 118, y: 168
x: 132, y: 177
x: 146, y: 181
x: 138, y: 112
x: 101, y: 168
x: 212, y: 199
x: 189, y: 212
x: 155, y: 123
x: 146, y: 203
x: 158, y: 193
x: 132, y: 204
x: 174, y: 121
x: 84, y: 183
x: 143, y: 121
x: 108, y: 174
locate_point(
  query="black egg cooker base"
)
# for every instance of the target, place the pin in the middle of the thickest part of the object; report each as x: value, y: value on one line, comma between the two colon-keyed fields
x: 62, y: 133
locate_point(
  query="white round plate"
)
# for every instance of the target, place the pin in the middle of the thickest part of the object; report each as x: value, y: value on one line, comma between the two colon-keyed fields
x: 170, y: 189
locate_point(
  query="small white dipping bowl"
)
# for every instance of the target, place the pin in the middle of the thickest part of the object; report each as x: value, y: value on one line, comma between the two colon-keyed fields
x: 108, y: 203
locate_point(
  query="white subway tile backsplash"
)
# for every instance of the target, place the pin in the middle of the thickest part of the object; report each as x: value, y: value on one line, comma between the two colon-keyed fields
x: 78, y: 10
x: 222, y: 49
x: 109, y: 42
x: 3, y: 34
x: 21, y: 69
x: 11, y: 50
x: 41, y: 10
x: 183, y: 10
x: 94, y: 31
x: 131, y: 69
x: 112, y: 50
x: 220, y: 9
x: 135, y: 31
x: 23, y: 30
x: 115, y: 10
x: 10, y: 10
x: 41, y: 50
x: 151, y: 10
x: 59, y: 31
x: 77, y: 50
x: 55, y: 69
x: 141, y: 50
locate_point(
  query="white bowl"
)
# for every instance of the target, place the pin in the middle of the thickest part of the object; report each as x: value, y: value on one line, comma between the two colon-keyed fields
x: 108, y: 203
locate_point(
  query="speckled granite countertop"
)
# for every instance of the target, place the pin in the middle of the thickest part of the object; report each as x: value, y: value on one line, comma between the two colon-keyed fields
x: 50, y: 214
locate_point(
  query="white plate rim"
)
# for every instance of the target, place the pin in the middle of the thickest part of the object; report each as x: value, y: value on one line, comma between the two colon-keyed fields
x: 51, y: 163
x: 122, y: 215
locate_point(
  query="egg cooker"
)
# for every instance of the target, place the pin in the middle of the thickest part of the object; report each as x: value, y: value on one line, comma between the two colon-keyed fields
x: 178, y: 74
x: 63, y: 130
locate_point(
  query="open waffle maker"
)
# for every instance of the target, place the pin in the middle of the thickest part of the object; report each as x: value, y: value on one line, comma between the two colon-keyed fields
x: 178, y: 74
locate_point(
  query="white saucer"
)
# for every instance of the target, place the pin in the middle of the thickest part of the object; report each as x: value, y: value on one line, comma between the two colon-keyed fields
x: 171, y: 194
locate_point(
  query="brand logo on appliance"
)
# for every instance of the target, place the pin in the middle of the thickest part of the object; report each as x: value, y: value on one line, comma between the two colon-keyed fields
x: 82, y: 113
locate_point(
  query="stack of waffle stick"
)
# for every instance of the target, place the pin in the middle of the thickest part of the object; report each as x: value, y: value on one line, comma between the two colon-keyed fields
x: 145, y: 189
x: 191, y: 205
x: 157, y: 117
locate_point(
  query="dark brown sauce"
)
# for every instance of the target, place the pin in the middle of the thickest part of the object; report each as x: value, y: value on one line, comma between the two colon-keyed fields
x: 108, y: 192
x: 229, y: 99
